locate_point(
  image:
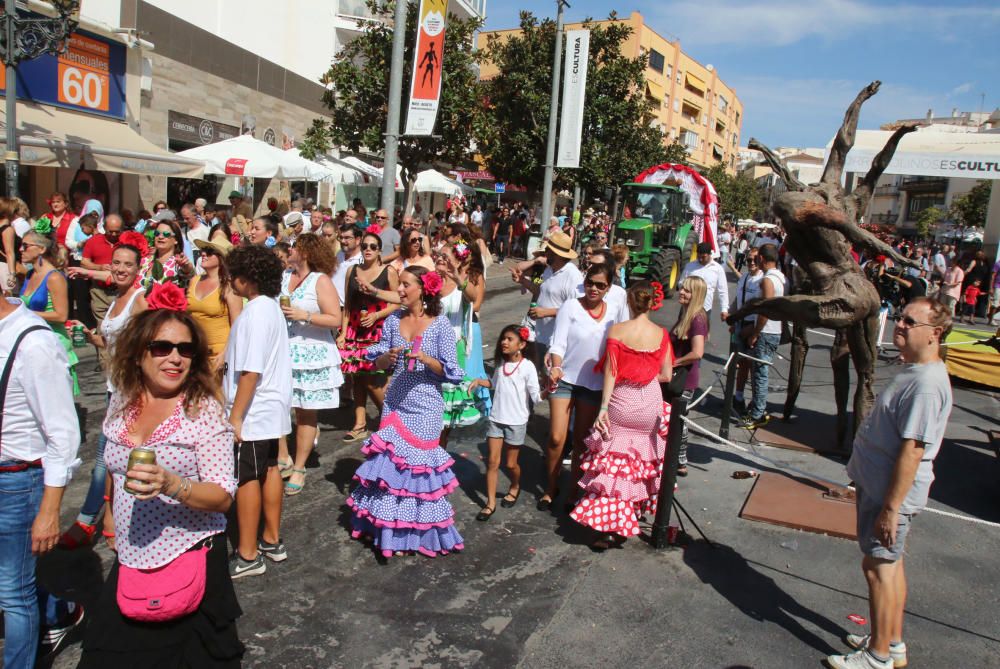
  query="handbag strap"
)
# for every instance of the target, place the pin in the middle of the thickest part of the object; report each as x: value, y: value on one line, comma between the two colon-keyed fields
x: 8, y: 368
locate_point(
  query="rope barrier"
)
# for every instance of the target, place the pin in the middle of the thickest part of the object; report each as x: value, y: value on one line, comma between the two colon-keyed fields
x: 752, y: 451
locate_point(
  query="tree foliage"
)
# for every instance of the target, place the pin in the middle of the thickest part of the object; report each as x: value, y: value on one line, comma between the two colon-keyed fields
x: 969, y: 210
x: 358, y: 93
x: 618, y: 141
x: 927, y: 219
x: 739, y: 195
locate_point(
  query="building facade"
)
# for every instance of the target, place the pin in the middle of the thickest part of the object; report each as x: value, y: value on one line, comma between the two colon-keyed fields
x: 691, y: 103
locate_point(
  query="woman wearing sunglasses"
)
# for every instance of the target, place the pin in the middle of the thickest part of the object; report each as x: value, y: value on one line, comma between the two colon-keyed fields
x: 45, y: 291
x: 211, y: 300
x: 361, y: 328
x: 167, y: 262
x: 412, y: 252
x: 129, y: 301
x: 576, y: 348
x: 168, y: 516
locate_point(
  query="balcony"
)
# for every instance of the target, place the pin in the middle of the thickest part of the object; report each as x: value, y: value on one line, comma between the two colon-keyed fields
x: 887, y: 190
x: 924, y: 184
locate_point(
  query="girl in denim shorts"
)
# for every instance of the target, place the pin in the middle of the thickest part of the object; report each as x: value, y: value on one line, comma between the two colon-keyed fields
x: 515, y: 387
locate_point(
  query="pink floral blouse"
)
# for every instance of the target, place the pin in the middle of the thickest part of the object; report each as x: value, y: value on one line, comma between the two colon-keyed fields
x: 153, y: 532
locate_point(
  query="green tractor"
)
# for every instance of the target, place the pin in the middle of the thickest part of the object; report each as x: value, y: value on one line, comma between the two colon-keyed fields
x: 658, y: 234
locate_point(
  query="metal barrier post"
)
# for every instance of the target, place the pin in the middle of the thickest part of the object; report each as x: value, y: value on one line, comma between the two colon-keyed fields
x: 665, y: 499
x: 727, y: 398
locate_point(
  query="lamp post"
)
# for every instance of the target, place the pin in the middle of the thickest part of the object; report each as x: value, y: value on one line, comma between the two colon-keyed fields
x: 25, y: 38
x: 550, y: 147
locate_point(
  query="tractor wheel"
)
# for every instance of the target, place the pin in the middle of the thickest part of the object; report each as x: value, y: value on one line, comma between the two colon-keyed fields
x: 666, y: 268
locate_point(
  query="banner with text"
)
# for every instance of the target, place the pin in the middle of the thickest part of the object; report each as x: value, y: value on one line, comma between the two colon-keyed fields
x: 574, y: 92
x: 428, y: 58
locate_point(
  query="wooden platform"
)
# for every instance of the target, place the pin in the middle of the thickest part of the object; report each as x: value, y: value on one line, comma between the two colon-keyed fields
x: 801, y: 504
x: 813, y: 434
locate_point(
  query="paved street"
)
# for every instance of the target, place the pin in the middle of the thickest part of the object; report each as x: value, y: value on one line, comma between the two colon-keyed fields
x: 528, y: 592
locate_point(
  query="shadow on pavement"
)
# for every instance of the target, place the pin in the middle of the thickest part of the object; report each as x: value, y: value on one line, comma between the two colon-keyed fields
x: 756, y: 595
x: 966, y: 474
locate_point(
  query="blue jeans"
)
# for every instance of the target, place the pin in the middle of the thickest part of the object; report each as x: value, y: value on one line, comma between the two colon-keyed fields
x: 764, y: 349
x: 23, y: 603
x: 94, y: 501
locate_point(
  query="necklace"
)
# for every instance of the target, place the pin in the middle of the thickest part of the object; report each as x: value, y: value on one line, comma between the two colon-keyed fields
x: 503, y: 368
x: 600, y: 314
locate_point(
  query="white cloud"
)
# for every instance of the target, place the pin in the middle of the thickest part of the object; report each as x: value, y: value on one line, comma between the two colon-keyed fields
x: 784, y: 22
x: 962, y: 89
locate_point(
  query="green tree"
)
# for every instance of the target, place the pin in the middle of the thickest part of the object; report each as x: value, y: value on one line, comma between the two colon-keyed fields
x: 969, y: 210
x: 358, y: 94
x: 618, y: 141
x: 927, y: 219
x: 739, y: 195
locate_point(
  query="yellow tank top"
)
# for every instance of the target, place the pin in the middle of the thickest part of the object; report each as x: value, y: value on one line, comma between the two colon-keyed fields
x: 211, y: 314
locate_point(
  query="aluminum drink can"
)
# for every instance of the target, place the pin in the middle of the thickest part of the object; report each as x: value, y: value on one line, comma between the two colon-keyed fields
x: 285, y: 301
x: 139, y: 456
x: 79, y: 339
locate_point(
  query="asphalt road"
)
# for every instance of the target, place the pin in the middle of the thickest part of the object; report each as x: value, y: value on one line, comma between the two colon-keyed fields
x: 527, y: 591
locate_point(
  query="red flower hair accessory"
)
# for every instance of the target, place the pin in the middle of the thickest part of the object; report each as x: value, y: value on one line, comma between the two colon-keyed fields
x: 136, y: 239
x: 462, y: 250
x: 524, y: 334
x: 373, y: 229
x: 432, y: 283
x: 657, y: 296
x: 167, y: 296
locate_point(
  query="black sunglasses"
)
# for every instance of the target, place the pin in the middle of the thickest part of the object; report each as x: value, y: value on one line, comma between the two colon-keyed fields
x: 911, y: 322
x: 161, y: 348
x: 599, y: 285
x: 370, y: 247
x: 208, y: 252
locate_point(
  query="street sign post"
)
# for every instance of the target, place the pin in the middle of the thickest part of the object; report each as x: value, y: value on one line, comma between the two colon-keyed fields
x: 499, y: 188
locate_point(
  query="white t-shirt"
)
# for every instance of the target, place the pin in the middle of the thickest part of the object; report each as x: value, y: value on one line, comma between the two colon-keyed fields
x: 258, y: 342
x: 511, y: 394
x: 556, y: 288
x: 477, y: 217
x: 340, y: 274
x: 777, y: 280
x: 201, y: 232
x: 579, y: 339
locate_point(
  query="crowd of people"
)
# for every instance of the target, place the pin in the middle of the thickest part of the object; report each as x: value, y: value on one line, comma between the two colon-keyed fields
x: 217, y: 329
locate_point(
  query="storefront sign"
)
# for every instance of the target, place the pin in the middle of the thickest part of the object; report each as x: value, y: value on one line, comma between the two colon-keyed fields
x: 270, y: 137
x: 428, y: 58
x: 236, y: 166
x: 574, y: 89
x: 481, y: 175
x: 89, y: 77
x: 194, y: 130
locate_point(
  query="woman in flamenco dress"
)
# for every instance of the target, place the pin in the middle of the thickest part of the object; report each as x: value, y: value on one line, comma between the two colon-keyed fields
x: 401, y: 503
x: 625, y: 451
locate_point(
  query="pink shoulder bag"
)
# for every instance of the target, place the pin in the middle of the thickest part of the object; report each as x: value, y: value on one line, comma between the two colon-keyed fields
x: 165, y: 593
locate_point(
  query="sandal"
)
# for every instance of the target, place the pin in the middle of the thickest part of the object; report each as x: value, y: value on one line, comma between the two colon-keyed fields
x: 292, y: 489
x: 285, y: 467
x: 356, y: 434
x: 507, y: 503
x: 546, y: 504
x: 606, y: 541
x: 69, y: 539
x: 486, y: 513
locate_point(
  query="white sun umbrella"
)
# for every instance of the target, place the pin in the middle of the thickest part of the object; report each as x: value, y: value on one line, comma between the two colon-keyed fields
x: 432, y: 181
x: 325, y: 168
x: 375, y: 173
x: 245, y: 156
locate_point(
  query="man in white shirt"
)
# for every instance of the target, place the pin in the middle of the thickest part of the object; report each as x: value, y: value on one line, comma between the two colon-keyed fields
x: 257, y: 383
x: 763, y: 337
x: 477, y: 215
x: 38, y: 453
x: 558, y: 284
x: 349, y: 254
x: 196, y: 228
x: 725, y: 240
x: 714, y: 276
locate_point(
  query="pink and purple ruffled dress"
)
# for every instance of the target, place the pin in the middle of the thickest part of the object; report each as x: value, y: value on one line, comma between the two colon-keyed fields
x: 401, y: 502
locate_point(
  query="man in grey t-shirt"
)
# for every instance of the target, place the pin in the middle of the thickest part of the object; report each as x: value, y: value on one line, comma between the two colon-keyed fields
x: 893, y: 466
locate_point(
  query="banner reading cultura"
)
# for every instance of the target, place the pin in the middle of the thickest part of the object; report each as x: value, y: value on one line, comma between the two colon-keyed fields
x: 428, y: 57
x: 574, y: 92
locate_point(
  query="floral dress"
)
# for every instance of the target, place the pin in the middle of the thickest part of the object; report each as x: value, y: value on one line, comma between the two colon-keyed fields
x: 316, y: 374
x: 462, y: 408
x: 402, y: 502
x: 152, y: 270
x: 358, y: 338
x: 621, y: 471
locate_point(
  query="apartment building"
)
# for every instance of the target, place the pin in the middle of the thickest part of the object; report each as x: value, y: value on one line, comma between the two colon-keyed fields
x: 347, y: 13
x: 690, y: 101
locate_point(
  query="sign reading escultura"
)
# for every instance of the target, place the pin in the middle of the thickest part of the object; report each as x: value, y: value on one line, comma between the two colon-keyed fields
x: 574, y: 92
x: 428, y: 58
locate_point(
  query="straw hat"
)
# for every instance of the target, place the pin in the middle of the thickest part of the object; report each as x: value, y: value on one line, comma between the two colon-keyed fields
x: 560, y: 244
x: 220, y: 246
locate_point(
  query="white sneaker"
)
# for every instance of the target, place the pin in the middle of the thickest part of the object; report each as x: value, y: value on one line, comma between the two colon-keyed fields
x: 861, y: 659
x: 897, y: 651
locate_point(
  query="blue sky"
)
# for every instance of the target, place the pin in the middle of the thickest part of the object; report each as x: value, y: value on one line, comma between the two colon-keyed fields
x: 797, y: 64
